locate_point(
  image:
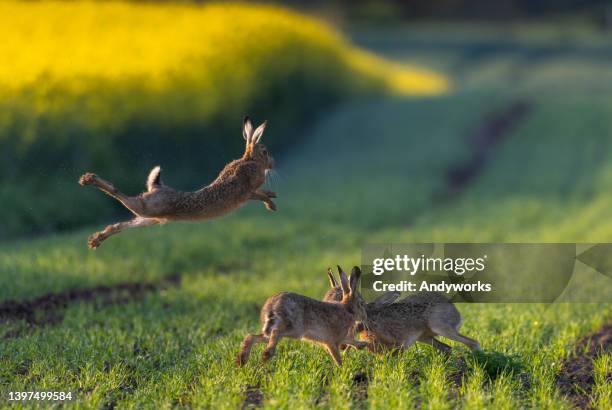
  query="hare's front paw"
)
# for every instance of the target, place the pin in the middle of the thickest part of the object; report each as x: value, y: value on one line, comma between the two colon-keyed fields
x: 267, y: 354
x: 269, y: 194
x: 241, y: 359
x: 357, y: 345
x: 270, y: 205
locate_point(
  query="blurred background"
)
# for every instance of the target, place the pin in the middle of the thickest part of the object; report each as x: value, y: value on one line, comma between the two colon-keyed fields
x: 118, y: 87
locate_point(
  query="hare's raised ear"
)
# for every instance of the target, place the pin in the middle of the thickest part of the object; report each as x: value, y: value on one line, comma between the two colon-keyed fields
x: 247, y: 129
x: 332, y: 279
x: 344, y: 282
x: 354, y: 279
x: 259, y: 132
x: 387, y: 298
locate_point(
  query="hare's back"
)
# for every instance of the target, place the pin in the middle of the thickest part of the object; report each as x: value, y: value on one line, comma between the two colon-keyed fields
x: 162, y: 202
x: 432, y: 307
x: 440, y: 311
x: 299, y: 313
x: 285, y: 306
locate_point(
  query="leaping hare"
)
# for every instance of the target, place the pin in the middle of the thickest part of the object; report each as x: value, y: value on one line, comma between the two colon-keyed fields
x: 416, y: 318
x: 329, y: 324
x: 237, y: 183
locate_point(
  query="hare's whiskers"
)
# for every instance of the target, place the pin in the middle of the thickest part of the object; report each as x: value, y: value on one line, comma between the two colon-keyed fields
x: 272, y: 177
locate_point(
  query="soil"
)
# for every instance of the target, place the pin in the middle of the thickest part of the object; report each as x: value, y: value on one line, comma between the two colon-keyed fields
x: 49, y: 309
x: 575, y: 380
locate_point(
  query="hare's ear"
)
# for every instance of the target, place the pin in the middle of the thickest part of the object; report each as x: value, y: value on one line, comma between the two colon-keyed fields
x: 344, y: 283
x: 258, y: 132
x: 354, y: 279
x: 247, y: 130
x: 332, y: 278
x: 386, y: 298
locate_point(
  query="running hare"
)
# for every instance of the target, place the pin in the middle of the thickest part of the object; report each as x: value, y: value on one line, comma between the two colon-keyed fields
x: 237, y: 183
x: 419, y: 317
x: 329, y: 324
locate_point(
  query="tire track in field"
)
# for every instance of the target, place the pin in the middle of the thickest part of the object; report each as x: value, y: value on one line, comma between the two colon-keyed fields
x: 492, y: 130
x: 576, y: 378
x: 253, y: 397
x: 49, y: 309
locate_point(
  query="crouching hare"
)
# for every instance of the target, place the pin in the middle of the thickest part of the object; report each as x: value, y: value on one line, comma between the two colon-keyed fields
x: 329, y: 324
x: 237, y: 183
x: 416, y: 318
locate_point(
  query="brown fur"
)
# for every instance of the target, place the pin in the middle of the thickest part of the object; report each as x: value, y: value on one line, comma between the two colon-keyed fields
x: 420, y: 317
x: 236, y: 184
x: 328, y: 324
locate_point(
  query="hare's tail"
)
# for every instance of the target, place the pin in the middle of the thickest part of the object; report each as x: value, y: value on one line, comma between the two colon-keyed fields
x: 154, y: 179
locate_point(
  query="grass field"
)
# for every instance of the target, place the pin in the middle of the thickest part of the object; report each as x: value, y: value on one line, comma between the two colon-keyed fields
x: 368, y: 172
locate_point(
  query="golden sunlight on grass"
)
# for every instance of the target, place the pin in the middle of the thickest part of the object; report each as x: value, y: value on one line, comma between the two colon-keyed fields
x: 399, y: 78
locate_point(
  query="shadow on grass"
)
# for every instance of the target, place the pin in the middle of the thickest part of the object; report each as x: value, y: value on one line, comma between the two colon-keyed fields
x: 495, y: 363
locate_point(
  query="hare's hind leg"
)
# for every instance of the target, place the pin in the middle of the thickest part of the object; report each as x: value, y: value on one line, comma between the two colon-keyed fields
x: 134, y: 204
x: 453, y: 334
x: 427, y: 339
x: 97, y: 238
x: 245, y: 347
x: 103, y: 185
x: 273, y: 340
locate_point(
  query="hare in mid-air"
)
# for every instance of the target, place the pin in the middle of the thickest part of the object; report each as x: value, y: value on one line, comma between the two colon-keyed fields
x: 237, y: 183
x: 417, y: 318
x: 329, y: 324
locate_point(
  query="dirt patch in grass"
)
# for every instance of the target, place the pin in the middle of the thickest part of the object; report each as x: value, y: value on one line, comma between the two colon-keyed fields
x: 576, y: 379
x: 492, y: 130
x: 457, y: 376
x: 253, y: 398
x: 323, y: 396
x: 49, y: 309
x: 359, y: 390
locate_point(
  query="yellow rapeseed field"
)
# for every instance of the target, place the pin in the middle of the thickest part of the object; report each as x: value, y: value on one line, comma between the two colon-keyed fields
x: 65, y: 40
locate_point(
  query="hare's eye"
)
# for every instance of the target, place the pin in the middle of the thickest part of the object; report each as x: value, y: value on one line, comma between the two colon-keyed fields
x: 264, y: 151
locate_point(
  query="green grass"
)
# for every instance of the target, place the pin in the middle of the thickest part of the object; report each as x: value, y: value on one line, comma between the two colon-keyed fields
x: 369, y: 172
x: 603, y: 390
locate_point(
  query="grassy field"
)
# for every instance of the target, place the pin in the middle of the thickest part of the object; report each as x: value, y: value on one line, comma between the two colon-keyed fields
x: 368, y: 172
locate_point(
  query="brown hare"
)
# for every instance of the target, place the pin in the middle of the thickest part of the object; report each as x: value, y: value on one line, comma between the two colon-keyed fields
x: 329, y: 324
x: 419, y: 317
x: 237, y: 183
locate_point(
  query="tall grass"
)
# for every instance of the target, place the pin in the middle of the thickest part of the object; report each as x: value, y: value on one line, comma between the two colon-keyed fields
x: 117, y: 87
